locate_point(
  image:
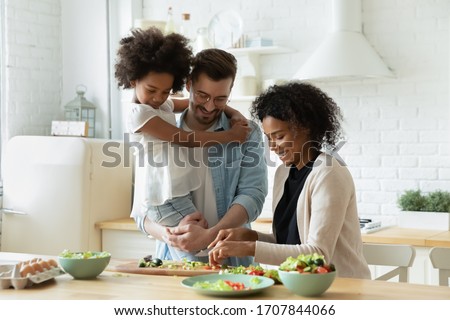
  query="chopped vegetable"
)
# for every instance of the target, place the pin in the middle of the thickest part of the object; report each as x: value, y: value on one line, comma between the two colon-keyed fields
x: 83, y: 255
x: 148, y: 261
x: 253, y: 270
x: 220, y: 285
x: 309, y: 263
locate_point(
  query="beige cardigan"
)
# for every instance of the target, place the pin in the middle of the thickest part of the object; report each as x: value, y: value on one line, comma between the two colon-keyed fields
x: 327, y: 219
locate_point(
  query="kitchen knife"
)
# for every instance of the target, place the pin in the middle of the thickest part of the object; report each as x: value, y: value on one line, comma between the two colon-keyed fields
x: 203, y: 253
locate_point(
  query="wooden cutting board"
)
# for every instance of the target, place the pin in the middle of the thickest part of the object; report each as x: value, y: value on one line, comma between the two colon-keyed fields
x: 132, y: 267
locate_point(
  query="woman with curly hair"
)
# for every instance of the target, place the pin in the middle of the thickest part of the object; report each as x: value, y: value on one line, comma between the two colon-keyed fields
x: 314, y: 198
x: 155, y: 65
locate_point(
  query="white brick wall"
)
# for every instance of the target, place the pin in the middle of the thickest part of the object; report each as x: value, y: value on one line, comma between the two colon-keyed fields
x: 33, y: 67
x: 397, y: 130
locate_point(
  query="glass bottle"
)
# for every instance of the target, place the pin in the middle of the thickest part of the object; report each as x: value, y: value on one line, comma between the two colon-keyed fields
x: 185, y: 26
x: 170, y: 25
x: 202, y: 41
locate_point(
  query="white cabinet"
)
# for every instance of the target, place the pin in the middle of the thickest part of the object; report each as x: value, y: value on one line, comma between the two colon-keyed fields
x: 127, y: 244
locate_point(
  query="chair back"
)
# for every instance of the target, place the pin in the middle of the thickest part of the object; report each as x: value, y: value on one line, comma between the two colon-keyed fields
x: 440, y: 259
x: 399, y: 256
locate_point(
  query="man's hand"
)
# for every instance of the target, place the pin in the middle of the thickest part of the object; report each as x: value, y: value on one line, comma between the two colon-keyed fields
x: 189, y: 238
x: 194, y: 218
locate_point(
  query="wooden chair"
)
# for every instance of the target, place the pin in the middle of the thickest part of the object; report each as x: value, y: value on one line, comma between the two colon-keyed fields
x: 440, y: 259
x: 399, y: 256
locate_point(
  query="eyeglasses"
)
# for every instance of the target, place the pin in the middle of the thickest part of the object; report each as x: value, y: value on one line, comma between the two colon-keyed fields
x: 203, y: 98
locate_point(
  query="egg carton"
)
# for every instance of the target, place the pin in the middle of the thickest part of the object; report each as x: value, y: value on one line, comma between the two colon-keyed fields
x: 10, y: 279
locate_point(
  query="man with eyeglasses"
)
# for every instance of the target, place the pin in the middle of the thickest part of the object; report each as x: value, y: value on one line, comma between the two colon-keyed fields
x: 234, y: 175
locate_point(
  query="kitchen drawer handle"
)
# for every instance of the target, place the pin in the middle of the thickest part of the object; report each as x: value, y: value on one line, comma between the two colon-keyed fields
x: 12, y: 211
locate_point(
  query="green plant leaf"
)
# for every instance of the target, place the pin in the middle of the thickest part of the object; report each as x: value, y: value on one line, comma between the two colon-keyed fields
x: 414, y: 200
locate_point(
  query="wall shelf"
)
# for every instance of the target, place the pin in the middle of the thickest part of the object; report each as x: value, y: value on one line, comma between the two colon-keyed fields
x: 249, y: 64
x: 242, y: 98
x: 259, y: 50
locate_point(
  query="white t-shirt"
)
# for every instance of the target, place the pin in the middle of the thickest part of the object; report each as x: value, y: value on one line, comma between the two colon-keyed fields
x: 204, y: 198
x: 162, y: 170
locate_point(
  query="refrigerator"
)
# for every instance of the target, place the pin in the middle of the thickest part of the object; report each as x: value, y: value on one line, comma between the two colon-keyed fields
x: 55, y: 190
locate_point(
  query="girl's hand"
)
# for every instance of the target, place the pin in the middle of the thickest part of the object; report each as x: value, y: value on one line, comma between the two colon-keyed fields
x: 239, y: 132
x: 238, y: 117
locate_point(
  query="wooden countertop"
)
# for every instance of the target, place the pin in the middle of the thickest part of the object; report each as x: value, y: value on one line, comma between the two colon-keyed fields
x: 120, y: 286
x: 128, y: 224
x: 390, y: 235
x: 415, y: 237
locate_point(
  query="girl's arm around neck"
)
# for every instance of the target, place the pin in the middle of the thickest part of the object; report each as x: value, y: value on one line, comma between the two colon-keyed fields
x: 180, y: 104
x: 165, y: 131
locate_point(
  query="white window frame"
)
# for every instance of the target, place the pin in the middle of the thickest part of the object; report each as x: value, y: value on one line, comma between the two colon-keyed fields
x: 2, y: 83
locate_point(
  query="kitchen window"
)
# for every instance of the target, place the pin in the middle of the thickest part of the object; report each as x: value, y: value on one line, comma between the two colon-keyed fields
x: 2, y: 82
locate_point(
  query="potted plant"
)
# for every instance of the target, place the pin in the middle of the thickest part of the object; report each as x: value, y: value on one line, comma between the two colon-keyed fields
x: 424, y: 211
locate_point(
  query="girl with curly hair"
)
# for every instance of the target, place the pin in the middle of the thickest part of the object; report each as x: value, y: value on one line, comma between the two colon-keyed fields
x: 155, y: 65
x: 314, y: 199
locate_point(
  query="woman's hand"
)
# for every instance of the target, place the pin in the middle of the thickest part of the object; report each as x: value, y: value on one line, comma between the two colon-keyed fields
x: 226, y: 249
x: 234, y: 234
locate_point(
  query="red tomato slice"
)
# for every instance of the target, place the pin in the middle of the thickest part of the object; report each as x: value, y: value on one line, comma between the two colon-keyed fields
x: 256, y: 273
x: 235, y: 285
x: 321, y: 270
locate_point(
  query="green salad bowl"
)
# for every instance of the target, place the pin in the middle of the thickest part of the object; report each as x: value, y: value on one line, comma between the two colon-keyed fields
x: 85, y: 268
x: 307, y: 284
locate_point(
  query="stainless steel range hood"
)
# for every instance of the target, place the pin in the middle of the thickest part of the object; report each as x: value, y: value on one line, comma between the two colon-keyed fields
x: 345, y: 54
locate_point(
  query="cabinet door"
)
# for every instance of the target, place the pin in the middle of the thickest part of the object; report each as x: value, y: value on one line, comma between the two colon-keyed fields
x: 124, y: 244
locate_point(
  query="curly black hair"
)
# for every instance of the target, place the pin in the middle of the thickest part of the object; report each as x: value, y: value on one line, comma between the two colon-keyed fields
x: 303, y: 106
x: 150, y: 50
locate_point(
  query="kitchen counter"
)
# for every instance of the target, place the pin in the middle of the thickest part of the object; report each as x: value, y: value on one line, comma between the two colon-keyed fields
x: 120, y: 286
x: 128, y: 224
x: 414, y: 237
x: 389, y: 235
